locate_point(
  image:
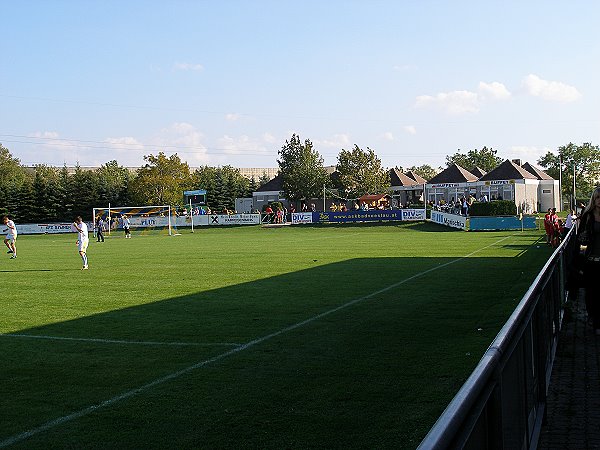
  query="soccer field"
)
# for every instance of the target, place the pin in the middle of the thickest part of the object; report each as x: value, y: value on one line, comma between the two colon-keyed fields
x: 293, y: 337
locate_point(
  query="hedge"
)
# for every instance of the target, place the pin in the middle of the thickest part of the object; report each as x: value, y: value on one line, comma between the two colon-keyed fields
x: 493, y: 208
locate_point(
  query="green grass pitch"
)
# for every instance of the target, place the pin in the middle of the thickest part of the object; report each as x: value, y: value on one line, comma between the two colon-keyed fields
x: 250, y: 337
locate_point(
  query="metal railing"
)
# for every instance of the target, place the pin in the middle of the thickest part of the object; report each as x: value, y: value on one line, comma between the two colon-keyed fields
x: 502, y: 403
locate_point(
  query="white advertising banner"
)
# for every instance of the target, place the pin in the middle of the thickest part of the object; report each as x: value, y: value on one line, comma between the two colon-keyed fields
x: 450, y: 220
x: 145, y: 222
x: 413, y: 214
x: 47, y: 228
x: 234, y: 219
x: 302, y: 217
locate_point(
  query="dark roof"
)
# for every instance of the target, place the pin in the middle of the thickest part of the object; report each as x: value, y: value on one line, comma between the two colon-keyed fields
x: 540, y: 174
x: 453, y: 174
x: 275, y: 184
x: 373, y: 197
x: 419, y: 179
x: 478, y: 171
x: 508, y: 170
x: 398, y: 178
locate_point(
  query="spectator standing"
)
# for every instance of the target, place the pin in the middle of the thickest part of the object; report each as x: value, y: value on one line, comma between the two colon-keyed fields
x: 589, y: 238
x: 569, y: 222
x: 548, y: 226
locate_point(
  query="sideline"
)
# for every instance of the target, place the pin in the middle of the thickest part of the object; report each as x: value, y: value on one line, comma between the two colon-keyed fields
x: 119, y: 341
x: 127, y: 394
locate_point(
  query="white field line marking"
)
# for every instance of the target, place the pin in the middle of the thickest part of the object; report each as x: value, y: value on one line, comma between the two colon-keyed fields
x: 125, y: 395
x: 119, y: 341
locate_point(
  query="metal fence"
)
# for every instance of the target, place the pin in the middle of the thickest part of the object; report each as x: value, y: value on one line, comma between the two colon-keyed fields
x: 502, y: 403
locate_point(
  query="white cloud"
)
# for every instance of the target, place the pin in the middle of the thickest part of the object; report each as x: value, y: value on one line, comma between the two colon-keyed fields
x: 269, y: 138
x: 188, y: 67
x: 232, y: 117
x: 388, y: 136
x: 461, y: 102
x: 241, y: 145
x: 526, y: 153
x: 410, y: 129
x: 337, y: 141
x: 44, y: 134
x: 550, y: 90
x: 183, y: 138
x: 455, y: 102
x: 493, y: 91
x: 125, y: 143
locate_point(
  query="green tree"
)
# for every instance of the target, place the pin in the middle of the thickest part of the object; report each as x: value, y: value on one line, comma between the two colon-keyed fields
x: 585, y: 158
x: 360, y: 172
x: 262, y: 180
x: 12, y: 176
x: 252, y: 186
x: 425, y: 171
x: 83, y: 190
x: 66, y: 192
x: 485, y: 159
x: 24, y: 201
x: 301, y: 169
x: 205, y: 178
x: 48, y: 195
x: 222, y: 184
x: 161, y: 181
x: 113, y: 184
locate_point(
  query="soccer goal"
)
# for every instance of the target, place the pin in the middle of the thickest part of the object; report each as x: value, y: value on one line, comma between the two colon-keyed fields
x: 144, y: 219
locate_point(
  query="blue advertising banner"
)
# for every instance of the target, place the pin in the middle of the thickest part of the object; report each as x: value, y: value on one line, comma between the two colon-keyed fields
x: 501, y: 223
x: 375, y: 215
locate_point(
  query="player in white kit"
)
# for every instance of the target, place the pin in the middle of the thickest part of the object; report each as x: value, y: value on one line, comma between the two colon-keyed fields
x: 11, y: 237
x: 83, y: 241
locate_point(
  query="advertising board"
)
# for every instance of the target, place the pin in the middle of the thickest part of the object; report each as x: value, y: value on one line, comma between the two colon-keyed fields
x: 449, y: 220
x: 302, y: 217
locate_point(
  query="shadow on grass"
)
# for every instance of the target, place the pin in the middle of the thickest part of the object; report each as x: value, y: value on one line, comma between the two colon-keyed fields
x: 376, y: 373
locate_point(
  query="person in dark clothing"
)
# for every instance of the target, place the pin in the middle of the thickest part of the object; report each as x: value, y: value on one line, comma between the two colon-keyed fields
x: 589, y: 238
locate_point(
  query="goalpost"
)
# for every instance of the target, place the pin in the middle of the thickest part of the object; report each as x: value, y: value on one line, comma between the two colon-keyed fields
x: 147, y: 219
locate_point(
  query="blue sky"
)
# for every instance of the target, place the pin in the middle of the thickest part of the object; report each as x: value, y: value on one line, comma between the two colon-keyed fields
x: 227, y: 82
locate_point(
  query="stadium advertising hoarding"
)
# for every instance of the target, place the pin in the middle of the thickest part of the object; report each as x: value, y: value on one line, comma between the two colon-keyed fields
x: 234, y: 219
x: 145, y: 222
x: 302, y: 217
x: 45, y: 228
x: 450, y: 220
x: 375, y: 215
x: 413, y: 214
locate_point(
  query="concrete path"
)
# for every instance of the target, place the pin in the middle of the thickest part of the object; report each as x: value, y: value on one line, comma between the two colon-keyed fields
x: 573, y: 408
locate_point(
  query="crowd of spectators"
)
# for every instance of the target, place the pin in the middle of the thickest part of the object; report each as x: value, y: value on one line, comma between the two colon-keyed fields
x: 460, y: 206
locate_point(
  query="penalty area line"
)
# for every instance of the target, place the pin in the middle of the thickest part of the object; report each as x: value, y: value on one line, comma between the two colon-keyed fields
x: 125, y: 395
x: 121, y: 341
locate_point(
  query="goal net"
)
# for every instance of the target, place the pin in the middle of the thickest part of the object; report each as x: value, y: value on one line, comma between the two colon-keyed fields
x: 141, y: 219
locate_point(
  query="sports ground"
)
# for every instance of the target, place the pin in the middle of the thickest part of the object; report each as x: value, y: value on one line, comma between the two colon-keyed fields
x: 250, y: 337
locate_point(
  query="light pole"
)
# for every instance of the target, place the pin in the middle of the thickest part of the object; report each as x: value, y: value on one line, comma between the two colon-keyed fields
x: 574, y: 206
x: 560, y: 163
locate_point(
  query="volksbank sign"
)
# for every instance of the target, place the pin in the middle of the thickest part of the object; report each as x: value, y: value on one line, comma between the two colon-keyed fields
x: 450, y: 220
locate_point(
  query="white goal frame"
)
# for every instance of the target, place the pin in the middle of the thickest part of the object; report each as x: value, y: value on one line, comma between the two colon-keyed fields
x: 128, y: 211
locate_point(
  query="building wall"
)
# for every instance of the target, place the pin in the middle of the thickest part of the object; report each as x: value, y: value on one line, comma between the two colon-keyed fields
x: 549, y: 195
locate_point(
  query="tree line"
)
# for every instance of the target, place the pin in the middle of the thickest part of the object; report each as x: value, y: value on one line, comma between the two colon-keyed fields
x: 46, y: 193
